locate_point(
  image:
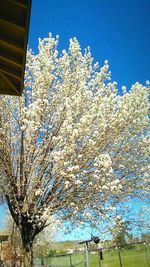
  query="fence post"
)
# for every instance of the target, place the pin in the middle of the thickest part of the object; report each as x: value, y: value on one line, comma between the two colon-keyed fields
x: 70, y: 260
x: 100, y: 265
x: 148, y: 251
x: 120, y: 261
x: 87, y: 254
x: 100, y: 257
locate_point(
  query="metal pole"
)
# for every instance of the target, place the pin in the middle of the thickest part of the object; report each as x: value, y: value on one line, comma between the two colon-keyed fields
x: 100, y: 264
x: 147, y: 247
x: 120, y: 257
x: 70, y: 260
x: 1, y: 247
x: 87, y: 254
x: 42, y: 261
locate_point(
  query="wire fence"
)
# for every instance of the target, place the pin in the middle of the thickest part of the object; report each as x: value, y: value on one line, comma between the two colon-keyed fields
x: 65, y: 260
x: 129, y: 255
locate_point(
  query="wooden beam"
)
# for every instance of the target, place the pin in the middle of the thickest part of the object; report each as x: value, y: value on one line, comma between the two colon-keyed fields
x: 6, y: 42
x: 4, y: 57
x: 19, y: 3
x: 11, y: 23
x: 9, y: 82
x: 11, y: 72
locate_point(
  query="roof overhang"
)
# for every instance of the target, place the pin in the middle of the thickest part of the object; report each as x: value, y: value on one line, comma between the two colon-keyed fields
x: 3, y: 237
x: 14, y: 28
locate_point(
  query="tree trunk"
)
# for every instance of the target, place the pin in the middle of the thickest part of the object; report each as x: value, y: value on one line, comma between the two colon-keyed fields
x: 28, y: 258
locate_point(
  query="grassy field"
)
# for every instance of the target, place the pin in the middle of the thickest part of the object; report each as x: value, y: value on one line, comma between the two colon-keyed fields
x: 130, y: 258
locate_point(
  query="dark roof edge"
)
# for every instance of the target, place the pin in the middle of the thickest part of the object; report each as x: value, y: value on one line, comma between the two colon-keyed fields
x: 26, y: 43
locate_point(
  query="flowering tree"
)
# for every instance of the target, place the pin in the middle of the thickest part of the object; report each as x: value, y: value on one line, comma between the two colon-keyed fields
x: 71, y: 146
x: 120, y: 231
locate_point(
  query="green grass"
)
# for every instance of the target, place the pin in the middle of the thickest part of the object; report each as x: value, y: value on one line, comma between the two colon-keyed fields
x: 130, y: 258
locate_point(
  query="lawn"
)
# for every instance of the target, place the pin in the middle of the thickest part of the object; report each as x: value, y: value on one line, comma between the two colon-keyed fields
x: 130, y: 258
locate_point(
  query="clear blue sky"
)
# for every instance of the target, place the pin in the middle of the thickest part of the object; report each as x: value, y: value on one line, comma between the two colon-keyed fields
x: 116, y: 30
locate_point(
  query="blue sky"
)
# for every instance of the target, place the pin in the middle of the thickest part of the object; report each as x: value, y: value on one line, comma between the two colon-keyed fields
x: 116, y: 30
x: 3, y: 216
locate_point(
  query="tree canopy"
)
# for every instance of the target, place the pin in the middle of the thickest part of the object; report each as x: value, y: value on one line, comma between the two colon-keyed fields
x: 72, y: 146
